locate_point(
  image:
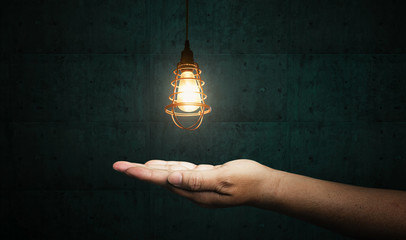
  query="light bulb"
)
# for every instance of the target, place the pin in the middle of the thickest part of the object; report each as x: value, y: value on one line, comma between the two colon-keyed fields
x: 188, y: 91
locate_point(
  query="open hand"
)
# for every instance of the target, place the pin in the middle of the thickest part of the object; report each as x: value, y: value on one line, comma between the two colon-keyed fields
x: 236, y: 182
x: 368, y: 213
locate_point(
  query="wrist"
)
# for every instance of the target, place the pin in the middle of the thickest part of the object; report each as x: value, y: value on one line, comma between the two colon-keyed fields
x: 269, y: 187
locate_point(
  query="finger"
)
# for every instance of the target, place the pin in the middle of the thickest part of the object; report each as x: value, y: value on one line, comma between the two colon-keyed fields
x: 155, y: 176
x: 121, y: 166
x: 204, y: 167
x: 170, y: 168
x: 188, y: 165
x: 195, y: 180
x: 161, y: 162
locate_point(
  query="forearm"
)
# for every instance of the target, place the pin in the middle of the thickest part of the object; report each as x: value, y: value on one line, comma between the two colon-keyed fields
x: 352, y: 210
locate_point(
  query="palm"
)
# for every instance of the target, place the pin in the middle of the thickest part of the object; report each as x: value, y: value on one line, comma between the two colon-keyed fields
x: 157, y: 171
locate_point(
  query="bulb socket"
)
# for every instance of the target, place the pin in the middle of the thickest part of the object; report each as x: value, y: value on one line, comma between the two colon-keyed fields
x: 187, y: 54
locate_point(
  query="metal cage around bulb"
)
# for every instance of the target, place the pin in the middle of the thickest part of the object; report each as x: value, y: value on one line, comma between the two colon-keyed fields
x: 175, y: 110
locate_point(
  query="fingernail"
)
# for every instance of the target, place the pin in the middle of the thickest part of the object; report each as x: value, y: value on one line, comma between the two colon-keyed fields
x: 175, y: 179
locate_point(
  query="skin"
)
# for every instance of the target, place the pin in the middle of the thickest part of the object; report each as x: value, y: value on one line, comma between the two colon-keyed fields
x: 360, y: 212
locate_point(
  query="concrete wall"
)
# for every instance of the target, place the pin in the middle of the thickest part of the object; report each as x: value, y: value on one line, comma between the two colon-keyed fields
x: 311, y: 87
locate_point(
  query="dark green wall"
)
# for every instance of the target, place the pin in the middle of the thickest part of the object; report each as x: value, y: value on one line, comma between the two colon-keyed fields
x: 312, y: 87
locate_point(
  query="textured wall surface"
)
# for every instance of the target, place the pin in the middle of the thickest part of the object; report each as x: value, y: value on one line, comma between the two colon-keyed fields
x: 312, y: 87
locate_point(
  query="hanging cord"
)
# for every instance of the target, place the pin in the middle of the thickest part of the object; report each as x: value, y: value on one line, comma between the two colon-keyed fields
x: 187, y: 20
x: 187, y: 54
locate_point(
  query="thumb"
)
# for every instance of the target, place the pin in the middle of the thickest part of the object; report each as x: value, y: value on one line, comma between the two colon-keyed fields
x: 194, y: 180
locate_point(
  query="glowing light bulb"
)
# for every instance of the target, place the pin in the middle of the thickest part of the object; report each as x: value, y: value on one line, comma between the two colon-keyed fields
x: 188, y: 91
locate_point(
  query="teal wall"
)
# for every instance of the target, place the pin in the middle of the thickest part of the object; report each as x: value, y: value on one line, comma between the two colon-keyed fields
x: 311, y: 87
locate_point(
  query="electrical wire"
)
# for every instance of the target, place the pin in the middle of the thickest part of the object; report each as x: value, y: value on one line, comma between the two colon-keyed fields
x: 187, y: 20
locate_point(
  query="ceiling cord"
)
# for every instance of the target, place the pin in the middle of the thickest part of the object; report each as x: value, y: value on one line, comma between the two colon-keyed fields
x: 187, y: 20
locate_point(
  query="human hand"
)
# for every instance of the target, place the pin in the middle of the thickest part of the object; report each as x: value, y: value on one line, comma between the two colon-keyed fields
x: 340, y: 207
x: 238, y: 182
